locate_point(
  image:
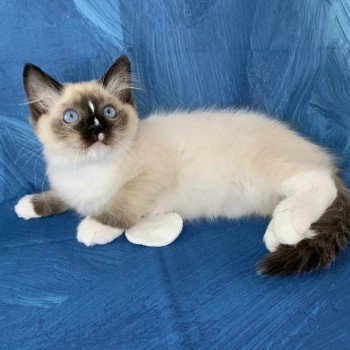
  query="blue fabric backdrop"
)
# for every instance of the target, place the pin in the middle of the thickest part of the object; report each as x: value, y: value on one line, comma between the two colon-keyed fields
x: 289, y: 58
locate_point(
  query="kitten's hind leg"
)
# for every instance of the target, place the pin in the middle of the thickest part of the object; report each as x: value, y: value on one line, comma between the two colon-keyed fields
x: 307, y: 196
x: 40, y: 204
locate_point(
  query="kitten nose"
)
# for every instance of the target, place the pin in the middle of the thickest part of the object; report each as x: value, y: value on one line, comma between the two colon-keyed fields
x: 95, y: 126
x: 96, y: 129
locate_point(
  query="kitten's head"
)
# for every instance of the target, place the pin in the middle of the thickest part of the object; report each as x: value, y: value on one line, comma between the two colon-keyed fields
x: 83, y: 120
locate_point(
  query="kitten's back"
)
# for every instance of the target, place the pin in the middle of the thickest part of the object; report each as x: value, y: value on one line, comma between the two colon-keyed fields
x: 246, y: 138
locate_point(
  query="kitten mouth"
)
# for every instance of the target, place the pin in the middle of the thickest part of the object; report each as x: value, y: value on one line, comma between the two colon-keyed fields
x: 100, y: 140
x: 98, y: 143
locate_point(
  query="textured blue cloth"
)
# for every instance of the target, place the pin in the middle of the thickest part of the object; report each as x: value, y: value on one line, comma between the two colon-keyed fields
x: 289, y: 58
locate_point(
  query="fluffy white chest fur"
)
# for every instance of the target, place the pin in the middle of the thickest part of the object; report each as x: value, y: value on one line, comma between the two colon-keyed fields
x: 86, y: 187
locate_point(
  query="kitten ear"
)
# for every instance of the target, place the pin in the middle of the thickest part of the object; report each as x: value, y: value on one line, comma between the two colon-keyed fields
x: 42, y: 90
x: 117, y: 80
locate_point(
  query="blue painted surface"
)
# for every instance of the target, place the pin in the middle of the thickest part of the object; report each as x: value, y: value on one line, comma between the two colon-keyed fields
x: 288, y: 58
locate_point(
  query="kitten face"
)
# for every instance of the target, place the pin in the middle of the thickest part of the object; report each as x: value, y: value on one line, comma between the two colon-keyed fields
x: 85, y: 120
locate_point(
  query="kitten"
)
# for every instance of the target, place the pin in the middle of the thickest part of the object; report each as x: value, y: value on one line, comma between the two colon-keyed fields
x: 117, y: 171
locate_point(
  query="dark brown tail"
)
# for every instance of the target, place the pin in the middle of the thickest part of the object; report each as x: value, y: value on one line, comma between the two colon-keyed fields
x: 333, y: 235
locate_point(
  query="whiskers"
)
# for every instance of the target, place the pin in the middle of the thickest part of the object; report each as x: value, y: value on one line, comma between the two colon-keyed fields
x: 125, y: 149
x: 38, y: 151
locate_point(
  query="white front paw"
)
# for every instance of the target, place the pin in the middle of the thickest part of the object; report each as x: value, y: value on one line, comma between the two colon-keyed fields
x: 156, y: 231
x: 91, y: 232
x: 25, y: 208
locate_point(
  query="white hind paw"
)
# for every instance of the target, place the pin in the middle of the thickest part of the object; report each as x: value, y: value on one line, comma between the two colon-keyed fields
x: 290, y: 222
x: 284, y: 230
x: 273, y: 239
x: 289, y: 225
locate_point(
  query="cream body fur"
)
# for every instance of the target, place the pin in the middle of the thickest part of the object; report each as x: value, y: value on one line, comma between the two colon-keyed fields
x: 226, y: 164
x: 144, y: 177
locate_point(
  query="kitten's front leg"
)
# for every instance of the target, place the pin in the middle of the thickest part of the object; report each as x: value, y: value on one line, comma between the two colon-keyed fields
x: 92, y: 232
x: 129, y: 210
x: 41, y: 204
x: 153, y: 231
x: 105, y: 227
x: 156, y: 231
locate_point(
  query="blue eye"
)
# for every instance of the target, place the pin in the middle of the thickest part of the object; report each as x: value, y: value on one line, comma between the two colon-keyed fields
x: 70, y: 116
x: 109, y: 112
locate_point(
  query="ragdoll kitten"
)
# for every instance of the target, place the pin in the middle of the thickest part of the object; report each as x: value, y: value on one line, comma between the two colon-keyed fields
x: 116, y: 170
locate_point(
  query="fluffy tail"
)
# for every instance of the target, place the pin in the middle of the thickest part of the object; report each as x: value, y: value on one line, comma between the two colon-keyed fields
x: 333, y: 235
